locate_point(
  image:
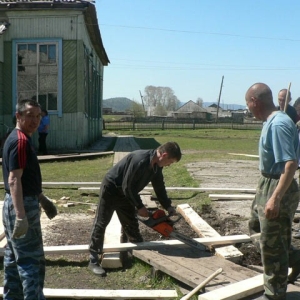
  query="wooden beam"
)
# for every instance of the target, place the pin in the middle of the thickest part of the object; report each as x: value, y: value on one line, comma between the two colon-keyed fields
x: 241, y: 154
x: 229, y: 239
x: 188, y: 189
x: 236, y: 290
x: 107, y: 294
x: 230, y: 197
x: 112, y: 260
x: 205, y: 230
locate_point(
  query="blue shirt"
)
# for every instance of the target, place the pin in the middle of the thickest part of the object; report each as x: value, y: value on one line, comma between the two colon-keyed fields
x: 278, y: 143
x: 44, y: 122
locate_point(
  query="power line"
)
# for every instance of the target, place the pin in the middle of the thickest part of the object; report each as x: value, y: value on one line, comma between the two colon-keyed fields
x: 202, y: 32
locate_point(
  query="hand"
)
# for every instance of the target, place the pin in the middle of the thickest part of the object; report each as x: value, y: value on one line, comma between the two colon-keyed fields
x: 298, y: 125
x: 48, y: 206
x: 143, y: 212
x: 272, y: 209
x: 172, y: 211
x: 20, y: 228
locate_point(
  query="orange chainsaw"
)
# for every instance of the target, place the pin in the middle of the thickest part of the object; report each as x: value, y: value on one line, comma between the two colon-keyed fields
x: 162, y: 223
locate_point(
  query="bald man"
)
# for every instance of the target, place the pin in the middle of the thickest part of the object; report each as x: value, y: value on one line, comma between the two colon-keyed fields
x: 277, y: 193
x: 290, y: 110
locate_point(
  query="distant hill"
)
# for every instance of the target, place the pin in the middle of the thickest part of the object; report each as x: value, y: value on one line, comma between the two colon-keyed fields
x: 118, y: 104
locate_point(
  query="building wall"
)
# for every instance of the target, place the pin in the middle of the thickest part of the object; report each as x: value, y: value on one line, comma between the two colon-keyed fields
x: 74, y: 129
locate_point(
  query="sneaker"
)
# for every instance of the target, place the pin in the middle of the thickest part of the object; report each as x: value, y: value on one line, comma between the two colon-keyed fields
x: 96, y: 269
x: 294, y: 274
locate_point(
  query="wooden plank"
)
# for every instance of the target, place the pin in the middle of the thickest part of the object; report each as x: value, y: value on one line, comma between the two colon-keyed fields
x: 112, y: 260
x: 204, y: 189
x: 72, y: 249
x: 148, y: 202
x: 107, y: 294
x: 241, y: 154
x: 236, y: 290
x: 191, y: 266
x: 245, y: 288
x: 230, y: 197
x: 205, y: 230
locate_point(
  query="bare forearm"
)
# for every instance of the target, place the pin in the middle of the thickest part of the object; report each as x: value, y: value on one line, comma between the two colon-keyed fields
x: 16, y: 192
x: 285, y: 179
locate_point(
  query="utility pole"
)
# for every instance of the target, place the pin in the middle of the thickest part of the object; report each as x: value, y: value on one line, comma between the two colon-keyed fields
x: 219, y: 99
x: 142, y: 98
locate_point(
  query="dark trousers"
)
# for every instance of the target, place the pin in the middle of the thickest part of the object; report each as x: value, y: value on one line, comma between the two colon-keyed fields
x: 42, y: 143
x: 24, y: 260
x: 111, y: 199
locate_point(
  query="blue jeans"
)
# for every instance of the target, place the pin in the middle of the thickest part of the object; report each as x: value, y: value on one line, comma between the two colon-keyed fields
x: 24, y: 259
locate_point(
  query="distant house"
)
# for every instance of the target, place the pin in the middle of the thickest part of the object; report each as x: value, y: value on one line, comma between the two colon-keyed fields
x: 52, y: 51
x: 190, y: 110
x: 107, y: 110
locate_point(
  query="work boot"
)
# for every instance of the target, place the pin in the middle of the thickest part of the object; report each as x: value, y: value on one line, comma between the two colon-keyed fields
x: 97, y: 269
x: 294, y: 274
x: 263, y: 297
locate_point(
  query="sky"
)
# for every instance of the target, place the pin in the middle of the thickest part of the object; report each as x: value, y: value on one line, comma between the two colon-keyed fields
x: 189, y: 45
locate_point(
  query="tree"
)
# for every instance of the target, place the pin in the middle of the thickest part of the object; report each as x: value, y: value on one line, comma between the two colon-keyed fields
x: 199, y: 101
x: 137, y: 110
x: 160, y: 110
x: 158, y: 95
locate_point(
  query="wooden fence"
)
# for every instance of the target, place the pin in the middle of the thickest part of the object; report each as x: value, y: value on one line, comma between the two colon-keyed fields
x: 175, y: 124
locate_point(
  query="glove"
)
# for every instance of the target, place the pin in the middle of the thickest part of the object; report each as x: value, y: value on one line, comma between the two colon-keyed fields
x: 171, y: 211
x: 49, y: 207
x: 20, y: 228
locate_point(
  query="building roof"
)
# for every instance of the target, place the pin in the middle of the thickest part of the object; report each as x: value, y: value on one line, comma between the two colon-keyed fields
x: 90, y: 17
x: 190, y: 107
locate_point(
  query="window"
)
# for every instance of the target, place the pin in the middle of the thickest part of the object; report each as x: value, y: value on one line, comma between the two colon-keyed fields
x: 38, y: 73
x: 92, y: 84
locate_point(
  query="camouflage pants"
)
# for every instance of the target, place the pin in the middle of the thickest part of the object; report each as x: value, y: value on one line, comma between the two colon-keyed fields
x: 24, y: 261
x: 273, y: 237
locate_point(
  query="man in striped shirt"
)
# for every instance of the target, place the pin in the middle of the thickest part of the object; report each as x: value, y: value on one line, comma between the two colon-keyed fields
x: 24, y: 260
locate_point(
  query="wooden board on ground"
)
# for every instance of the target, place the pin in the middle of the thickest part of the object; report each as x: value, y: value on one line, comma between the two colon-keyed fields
x: 148, y: 202
x: 230, y: 197
x: 205, y: 230
x: 107, y: 294
x: 236, y: 290
x: 148, y: 188
x: 112, y: 260
x: 251, y: 288
x: 73, y: 249
x: 192, y: 266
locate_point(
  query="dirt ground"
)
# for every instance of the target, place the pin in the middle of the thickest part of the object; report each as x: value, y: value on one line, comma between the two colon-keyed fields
x: 226, y: 217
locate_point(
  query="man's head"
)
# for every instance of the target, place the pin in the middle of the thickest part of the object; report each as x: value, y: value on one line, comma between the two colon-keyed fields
x: 282, y: 96
x: 297, y: 106
x: 259, y: 101
x: 168, y: 153
x: 28, y: 114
